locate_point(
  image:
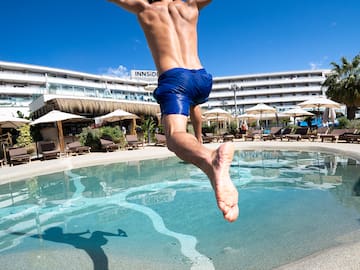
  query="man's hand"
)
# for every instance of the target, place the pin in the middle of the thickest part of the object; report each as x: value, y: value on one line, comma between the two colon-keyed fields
x: 133, y: 6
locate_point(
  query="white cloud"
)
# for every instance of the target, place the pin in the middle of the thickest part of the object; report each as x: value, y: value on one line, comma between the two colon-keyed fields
x: 314, y: 65
x: 121, y: 71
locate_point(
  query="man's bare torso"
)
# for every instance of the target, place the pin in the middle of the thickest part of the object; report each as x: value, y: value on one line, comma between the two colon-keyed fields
x: 171, y: 31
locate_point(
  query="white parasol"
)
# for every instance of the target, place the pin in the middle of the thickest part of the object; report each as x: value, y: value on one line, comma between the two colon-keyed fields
x: 58, y: 117
x: 117, y: 115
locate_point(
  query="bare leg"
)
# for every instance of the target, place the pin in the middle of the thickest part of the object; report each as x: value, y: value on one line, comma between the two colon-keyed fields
x: 195, y: 116
x: 214, y: 163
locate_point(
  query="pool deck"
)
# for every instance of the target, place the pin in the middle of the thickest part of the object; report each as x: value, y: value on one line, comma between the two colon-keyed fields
x: 344, y: 257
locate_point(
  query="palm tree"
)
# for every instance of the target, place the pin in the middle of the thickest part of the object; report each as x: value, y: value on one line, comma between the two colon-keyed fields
x: 343, y: 84
x: 148, y: 127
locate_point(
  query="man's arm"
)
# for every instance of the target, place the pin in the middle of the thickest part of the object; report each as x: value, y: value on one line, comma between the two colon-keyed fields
x: 133, y: 6
x: 202, y: 3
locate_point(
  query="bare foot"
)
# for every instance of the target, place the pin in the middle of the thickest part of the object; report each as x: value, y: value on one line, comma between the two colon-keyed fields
x: 225, y: 192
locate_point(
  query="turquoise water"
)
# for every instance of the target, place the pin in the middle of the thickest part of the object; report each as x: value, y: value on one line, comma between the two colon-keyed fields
x: 161, y: 214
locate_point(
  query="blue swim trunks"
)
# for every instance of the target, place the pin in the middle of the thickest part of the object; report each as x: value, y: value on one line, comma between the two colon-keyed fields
x: 180, y: 88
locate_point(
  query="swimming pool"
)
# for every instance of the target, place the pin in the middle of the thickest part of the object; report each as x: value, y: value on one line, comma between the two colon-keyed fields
x: 161, y: 214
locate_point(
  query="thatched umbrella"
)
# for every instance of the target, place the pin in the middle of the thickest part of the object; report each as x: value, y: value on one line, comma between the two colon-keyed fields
x: 58, y: 117
x: 119, y: 115
x: 8, y: 121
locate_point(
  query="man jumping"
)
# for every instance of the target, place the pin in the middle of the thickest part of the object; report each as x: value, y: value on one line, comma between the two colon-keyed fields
x: 170, y: 27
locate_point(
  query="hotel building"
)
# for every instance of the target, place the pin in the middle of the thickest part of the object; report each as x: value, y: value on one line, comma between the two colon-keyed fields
x: 37, y: 90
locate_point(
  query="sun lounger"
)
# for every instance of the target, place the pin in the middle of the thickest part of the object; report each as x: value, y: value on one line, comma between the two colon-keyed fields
x: 209, y: 137
x: 48, y: 150
x: 274, y: 133
x: 352, y: 138
x: 133, y: 142
x: 108, y: 146
x: 18, y: 155
x: 160, y: 139
x: 320, y: 131
x: 299, y: 134
x: 228, y: 138
x: 76, y: 148
x: 335, y: 135
x: 252, y: 135
x: 349, y: 136
x: 284, y: 133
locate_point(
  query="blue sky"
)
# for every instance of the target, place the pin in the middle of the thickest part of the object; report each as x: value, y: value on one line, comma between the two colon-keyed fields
x: 235, y: 36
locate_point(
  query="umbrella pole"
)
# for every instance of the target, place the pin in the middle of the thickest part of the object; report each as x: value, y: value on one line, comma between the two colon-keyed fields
x: 61, y: 136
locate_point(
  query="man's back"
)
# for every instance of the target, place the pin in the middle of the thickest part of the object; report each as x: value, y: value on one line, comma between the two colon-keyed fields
x: 170, y: 27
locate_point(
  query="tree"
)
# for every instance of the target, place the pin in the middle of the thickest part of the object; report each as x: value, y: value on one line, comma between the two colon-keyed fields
x: 148, y: 127
x: 343, y: 84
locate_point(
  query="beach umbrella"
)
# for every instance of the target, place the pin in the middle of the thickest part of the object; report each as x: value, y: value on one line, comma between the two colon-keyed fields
x: 117, y: 115
x: 246, y: 116
x: 297, y: 112
x: 320, y: 102
x: 218, y: 114
x: 261, y: 109
x: 59, y: 117
x: 8, y: 121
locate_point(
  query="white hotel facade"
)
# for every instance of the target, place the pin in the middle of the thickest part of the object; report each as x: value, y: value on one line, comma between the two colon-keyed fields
x: 36, y: 90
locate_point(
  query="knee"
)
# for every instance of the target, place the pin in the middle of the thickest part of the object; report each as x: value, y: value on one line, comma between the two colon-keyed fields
x: 170, y: 143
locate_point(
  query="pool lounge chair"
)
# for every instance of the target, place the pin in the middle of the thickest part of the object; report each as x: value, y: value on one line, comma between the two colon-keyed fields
x: 284, y: 132
x: 48, y: 150
x: 160, y: 139
x: 132, y: 142
x: 274, y: 132
x: 18, y: 155
x: 76, y: 148
x: 108, y: 145
x: 299, y: 134
x: 352, y: 138
x: 228, y: 137
x: 320, y: 131
x: 350, y: 133
x: 336, y: 134
x: 209, y: 137
x: 252, y: 135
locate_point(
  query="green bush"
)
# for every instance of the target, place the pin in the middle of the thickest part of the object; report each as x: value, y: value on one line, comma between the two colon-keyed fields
x: 343, y: 122
x: 233, y: 129
x: 354, y: 124
x: 24, y: 138
x: 90, y: 137
x: 114, y: 133
x: 209, y: 129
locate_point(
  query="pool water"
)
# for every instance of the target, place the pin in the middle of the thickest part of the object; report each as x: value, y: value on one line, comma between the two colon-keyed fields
x: 161, y: 214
